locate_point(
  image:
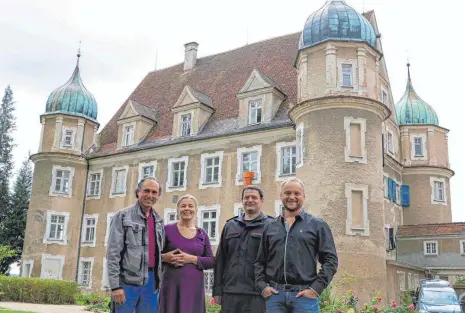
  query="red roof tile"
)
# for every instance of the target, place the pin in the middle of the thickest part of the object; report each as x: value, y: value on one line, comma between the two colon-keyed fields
x: 431, y: 229
x: 219, y: 77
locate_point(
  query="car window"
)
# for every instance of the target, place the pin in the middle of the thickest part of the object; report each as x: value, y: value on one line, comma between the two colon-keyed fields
x: 439, y: 297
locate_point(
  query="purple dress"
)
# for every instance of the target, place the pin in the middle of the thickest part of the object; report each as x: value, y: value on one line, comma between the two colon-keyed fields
x: 182, y: 289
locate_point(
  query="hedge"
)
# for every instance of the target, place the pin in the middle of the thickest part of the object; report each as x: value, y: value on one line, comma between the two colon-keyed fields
x: 36, y: 290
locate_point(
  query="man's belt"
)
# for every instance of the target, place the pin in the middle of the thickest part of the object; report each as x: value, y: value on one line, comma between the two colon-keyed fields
x: 151, y: 269
x: 287, y: 287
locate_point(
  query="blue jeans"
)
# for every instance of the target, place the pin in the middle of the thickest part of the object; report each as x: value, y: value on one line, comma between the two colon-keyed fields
x: 286, y: 302
x: 139, y: 299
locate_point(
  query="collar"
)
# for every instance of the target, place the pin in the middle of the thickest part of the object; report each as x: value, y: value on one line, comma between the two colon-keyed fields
x: 300, y: 216
x: 141, y: 212
x: 260, y: 216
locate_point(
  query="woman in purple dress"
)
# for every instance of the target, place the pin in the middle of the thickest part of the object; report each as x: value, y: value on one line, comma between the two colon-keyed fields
x: 187, y: 253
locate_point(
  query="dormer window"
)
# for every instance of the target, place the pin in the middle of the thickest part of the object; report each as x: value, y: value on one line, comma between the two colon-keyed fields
x: 128, y: 137
x: 347, y: 75
x: 186, y: 125
x: 255, y: 111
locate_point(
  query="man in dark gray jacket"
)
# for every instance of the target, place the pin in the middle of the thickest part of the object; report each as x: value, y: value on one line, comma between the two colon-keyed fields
x: 134, y: 248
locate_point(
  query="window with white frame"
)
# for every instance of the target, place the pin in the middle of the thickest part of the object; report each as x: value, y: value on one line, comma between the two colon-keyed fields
x: 401, y: 278
x: 89, y: 229
x: 357, y: 222
x: 278, y: 207
x: 462, y: 247
x: 62, y: 178
x: 248, y: 160
x: 110, y: 216
x: 416, y: 280
x: 68, y: 134
x: 384, y: 97
x: 171, y: 216
x: 208, y: 281
x: 85, y: 272
x: 347, y: 79
x: 128, y: 134
x: 409, y: 280
x: 177, y: 174
x: 147, y: 169
x: 430, y: 247
x: 418, y: 144
x: 118, y: 183
x: 208, y: 219
x: 438, y: 190
x: 186, y: 125
x: 255, y: 111
x: 238, y: 209
x: 386, y: 186
x: 299, y: 135
x: 27, y: 266
x: 390, y: 142
x: 355, y: 148
x: 95, y: 180
x: 56, y: 228
x: 211, y: 172
x: 105, y: 285
x: 52, y: 266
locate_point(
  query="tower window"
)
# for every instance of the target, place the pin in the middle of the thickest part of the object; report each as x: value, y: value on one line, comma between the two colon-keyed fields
x: 347, y: 75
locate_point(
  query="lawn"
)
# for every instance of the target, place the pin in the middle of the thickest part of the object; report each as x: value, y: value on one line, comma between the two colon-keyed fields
x: 10, y: 311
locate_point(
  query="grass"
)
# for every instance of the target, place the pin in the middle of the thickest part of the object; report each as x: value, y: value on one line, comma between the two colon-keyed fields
x: 10, y: 311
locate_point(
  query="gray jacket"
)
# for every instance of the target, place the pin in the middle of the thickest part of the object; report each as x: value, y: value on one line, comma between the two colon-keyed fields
x: 127, y: 248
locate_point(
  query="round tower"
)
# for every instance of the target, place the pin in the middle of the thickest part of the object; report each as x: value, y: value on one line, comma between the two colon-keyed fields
x: 338, y: 120
x: 425, y: 157
x: 69, y: 125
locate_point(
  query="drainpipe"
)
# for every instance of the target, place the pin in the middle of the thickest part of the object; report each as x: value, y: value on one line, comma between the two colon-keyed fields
x: 83, y: 208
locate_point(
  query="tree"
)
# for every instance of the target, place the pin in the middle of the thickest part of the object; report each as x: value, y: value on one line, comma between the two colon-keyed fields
x: 7, y: 126
x: 14, y: 223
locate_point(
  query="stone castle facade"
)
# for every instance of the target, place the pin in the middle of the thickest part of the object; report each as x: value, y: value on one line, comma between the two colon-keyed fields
x: 315, y: 104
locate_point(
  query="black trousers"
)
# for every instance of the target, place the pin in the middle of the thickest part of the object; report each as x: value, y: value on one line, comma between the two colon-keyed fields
x: 237, y: 303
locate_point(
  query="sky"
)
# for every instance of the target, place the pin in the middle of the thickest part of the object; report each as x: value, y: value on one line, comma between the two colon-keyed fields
x: 121, y: 41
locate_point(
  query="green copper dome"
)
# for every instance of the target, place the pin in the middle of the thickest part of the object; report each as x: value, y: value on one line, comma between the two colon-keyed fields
x: 73, y: 98
x: 411, y: 109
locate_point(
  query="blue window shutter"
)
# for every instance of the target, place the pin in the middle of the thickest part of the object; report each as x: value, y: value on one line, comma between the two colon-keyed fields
x: 405, y: 195
x: 390, y: 181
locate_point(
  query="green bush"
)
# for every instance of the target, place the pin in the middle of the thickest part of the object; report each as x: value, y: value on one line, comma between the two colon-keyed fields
x: 94, y: 302
x: 36, y: 290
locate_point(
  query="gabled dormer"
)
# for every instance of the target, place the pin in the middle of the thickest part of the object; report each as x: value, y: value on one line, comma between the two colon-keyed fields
x: 259, y: 100
x: 134, y: 123
x: 191, y: 112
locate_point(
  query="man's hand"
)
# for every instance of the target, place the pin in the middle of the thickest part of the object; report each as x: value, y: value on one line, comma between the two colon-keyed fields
x: 269, y: 291
x: 118, y: 296
x: 168, y: 257
x: 184, y: 258
x: 217, y: 300
x: 307, y: 293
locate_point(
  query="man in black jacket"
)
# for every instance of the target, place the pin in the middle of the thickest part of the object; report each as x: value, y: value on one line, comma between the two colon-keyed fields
x: 234, y: 285
x: 291, y: 245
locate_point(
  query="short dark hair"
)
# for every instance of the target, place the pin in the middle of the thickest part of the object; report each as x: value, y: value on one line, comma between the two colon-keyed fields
x: 253, y: 187
x: 139, y: 185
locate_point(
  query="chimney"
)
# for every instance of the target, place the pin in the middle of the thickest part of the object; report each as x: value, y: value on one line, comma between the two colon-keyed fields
x: 190, y: 55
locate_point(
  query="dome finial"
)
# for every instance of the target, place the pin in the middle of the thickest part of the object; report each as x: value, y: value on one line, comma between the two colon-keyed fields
x: 408, y: 68
x: 79, y: 53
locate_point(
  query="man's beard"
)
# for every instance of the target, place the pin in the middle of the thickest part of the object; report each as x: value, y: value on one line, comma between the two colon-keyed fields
x: 292, y: 209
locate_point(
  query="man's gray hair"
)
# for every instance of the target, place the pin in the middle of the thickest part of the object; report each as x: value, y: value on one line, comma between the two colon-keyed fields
x: 188, y: 196
x: 293, y: 180
x: 139, y: 185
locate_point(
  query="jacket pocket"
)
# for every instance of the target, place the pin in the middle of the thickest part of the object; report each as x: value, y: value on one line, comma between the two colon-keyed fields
x: 134, y: 233
x: 133, y: 259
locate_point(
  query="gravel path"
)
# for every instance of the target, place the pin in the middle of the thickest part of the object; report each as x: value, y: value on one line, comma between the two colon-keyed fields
x: 42, y: 308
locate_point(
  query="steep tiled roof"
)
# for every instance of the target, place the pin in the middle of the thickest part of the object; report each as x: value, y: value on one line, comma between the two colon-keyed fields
x: 431, y: 229
x: 219, y: 77
x: 145, y: 111
x: 205, y: 99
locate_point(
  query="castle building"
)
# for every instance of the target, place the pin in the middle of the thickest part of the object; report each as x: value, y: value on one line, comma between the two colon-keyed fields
x: 316, y: 104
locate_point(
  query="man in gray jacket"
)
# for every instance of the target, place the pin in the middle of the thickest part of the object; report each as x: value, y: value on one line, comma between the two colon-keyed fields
x: 134, y: 248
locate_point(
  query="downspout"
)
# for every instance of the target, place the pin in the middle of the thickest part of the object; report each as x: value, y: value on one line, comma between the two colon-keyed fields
x: 83, y: 207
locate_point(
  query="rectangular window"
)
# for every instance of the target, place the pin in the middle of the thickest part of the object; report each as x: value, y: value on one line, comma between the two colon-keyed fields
x: 462, y: 246
x: 431, y: 248
x: 409, y: 280
x: 209, y: 223
x: 347, y: 75
x: 249, y: 162
x: 89, y: 230
x: 109, y: 220
x: 288, y: 160
x: 384, y: 97
x: 105, y: 285
x: 57, y: 227
x: 299, y: 135
x: 418, y: 146
x: 148, y: 171
x: 68, y: 138
x: 94, y: 184
x: 128, y: 138
x: 401, y: 277
x: 357, y: 209
x: 208, y: 281
x: 178, y: 173
x: 62, y: 181
x: 438, y: 191
x: 357, y: 222
x: 390, y: 143
x: 212, y: 170
x: 85, y: 275
x: 416, y: 280
x: 355, y: 136
x: 255, y: 111
x: 355, y: 148
x: 186, y: 125
x: 120, y: 181
x: 386, y: 187
x: 52, y: 266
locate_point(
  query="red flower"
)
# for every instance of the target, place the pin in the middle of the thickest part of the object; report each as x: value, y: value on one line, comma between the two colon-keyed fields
x: 394, y: 304
x: 379, y: 299
x: 376, y: 308
x: 338, y: 310
x: 212, y: 301
x: 411, y: 307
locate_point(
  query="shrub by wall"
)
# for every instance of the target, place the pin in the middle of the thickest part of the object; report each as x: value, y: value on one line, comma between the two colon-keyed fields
x: 36, y: 290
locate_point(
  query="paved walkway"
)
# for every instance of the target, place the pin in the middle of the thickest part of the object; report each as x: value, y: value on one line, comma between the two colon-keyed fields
x: 42, y: 308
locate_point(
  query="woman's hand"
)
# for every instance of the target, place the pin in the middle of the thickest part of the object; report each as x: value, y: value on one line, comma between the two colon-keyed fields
x: 169, y: 256
x: 182, y: 258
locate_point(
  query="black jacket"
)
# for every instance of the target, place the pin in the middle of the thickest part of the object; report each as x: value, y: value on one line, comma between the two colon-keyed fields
x: 234, y: 270
x: 291, y: 258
